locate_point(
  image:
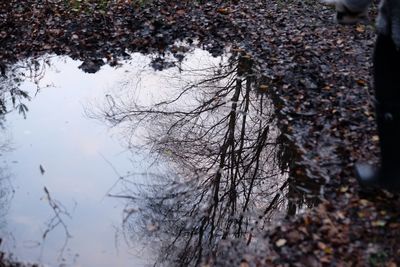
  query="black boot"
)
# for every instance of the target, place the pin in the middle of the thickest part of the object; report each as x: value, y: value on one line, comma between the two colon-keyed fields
x: 377, y: 177
x: 388, y: 174
x: 367, y: 175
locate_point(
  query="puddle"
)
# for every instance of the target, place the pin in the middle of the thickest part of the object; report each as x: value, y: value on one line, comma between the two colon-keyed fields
x: 77, y: 159
x: 131, y: 166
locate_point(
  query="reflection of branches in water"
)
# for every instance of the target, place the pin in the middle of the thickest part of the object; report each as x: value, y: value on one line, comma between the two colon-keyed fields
x: 219, y: 138
x: 6, y: 187
x: 6, y: 194
x: 10, y: 92
x: 60, y: 212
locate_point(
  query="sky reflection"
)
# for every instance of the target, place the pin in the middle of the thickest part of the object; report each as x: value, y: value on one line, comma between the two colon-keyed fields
x: 80, y: 158
x: 205, y: 120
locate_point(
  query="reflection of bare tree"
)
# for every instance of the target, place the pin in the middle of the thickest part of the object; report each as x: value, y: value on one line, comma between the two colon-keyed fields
x: 11, y: 95
x: 6, y: 193
x: 12, y: 98
x: 218, y: 135
x: 6, y: 188
x: 58, y: 220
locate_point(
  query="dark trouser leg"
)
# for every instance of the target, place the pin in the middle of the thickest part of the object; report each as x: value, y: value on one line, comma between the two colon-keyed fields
x: 387, y: 93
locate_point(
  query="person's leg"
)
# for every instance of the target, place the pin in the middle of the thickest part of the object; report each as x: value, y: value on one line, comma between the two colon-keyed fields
x: 387, y: 93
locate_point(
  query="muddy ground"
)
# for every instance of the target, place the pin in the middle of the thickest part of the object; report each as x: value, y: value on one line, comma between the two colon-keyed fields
x: 317, y: 72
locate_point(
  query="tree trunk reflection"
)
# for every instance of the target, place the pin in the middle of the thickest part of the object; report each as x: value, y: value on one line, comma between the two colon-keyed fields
x: 226, y: 177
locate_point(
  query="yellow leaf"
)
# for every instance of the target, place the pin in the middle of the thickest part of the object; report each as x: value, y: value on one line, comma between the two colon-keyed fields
x: 328, y: 250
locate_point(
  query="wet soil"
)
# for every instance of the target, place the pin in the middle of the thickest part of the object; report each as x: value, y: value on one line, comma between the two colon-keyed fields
x: 317, y: 72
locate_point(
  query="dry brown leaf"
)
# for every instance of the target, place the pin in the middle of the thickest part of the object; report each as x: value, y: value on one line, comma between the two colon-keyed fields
x: 223, y: 11
x: 321, y: 245
x: 263, y: 87
x: 181, y: 12
x: 294, y: 236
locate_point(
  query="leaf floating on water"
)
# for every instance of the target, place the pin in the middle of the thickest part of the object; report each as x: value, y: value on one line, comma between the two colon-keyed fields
x: 42, y: 170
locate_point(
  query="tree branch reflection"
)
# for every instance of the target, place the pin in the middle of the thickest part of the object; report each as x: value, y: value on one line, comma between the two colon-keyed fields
x: 225, y: 179
x: 12, y: 97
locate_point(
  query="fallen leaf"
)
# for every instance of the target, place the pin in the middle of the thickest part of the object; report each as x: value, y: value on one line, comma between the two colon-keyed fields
x: 42, y: 170
x: 263, y: 87
x: 321, y: 245
x: 328, y: 250
x: 375, y: 138
x: 360, y: 28
x: 223, y: 11
x: 364, y: 202
x: 378, y: 223
x: 344, y: 189
x: 361, y: 82
x: 294, y: 236
x: 281, y: 242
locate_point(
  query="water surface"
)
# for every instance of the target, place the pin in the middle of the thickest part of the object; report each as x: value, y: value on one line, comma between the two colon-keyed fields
x: 131, y: 166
